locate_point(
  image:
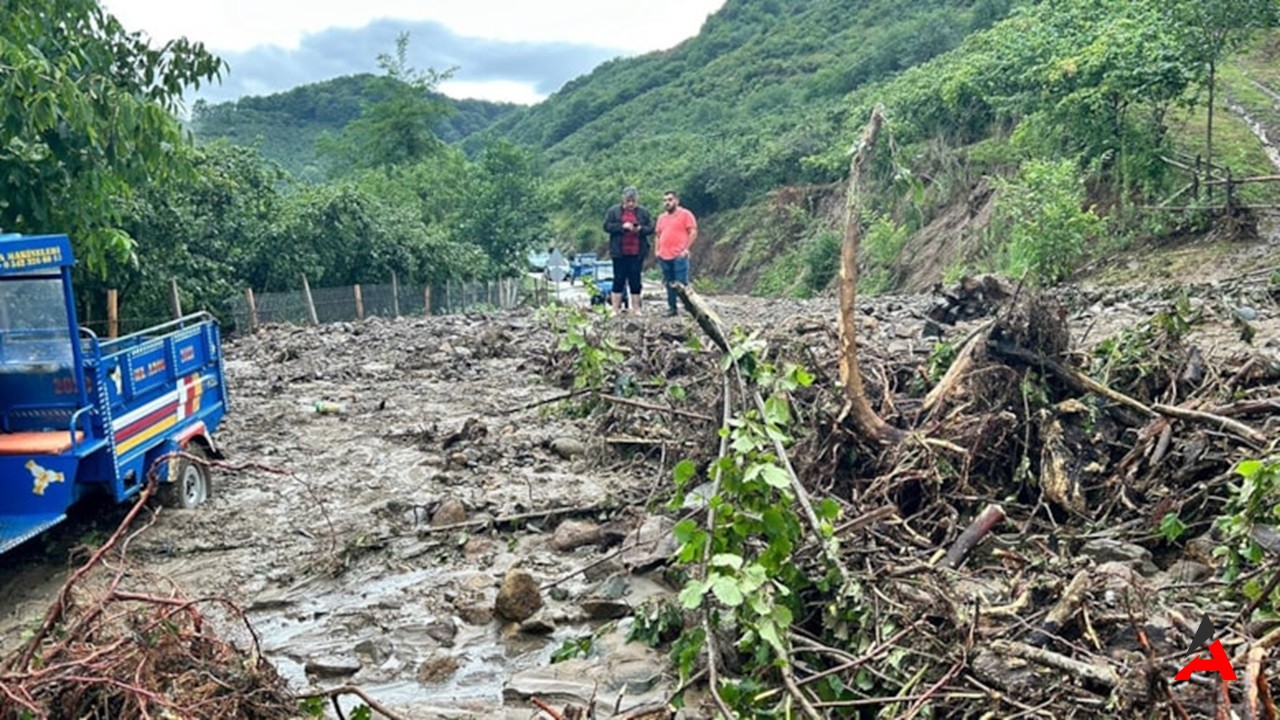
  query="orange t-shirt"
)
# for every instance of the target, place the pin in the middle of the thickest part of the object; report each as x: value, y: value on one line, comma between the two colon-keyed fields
x: 673, y: 232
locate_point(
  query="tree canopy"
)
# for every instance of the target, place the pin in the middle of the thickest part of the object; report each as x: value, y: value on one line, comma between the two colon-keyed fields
x: 87, y: 110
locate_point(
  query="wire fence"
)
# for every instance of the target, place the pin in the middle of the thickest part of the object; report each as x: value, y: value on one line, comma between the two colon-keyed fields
x: 347, y: 303
x: 355, y: 302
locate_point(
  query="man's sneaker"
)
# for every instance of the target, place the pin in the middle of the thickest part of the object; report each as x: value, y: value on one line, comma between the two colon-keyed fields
x: 671, y: 312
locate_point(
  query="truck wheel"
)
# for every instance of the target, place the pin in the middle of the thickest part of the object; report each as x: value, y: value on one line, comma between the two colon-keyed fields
x: 189, y: 487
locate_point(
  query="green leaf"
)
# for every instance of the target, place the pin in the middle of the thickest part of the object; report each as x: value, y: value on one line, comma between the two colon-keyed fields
x: 684, y: 471
x: 776, y: 411
x: 684, y: 531
x: 769, y: 633
x: 727, y: 560
x: 691, y: 596
x: 726, y: 590
x: 1249, y: 468
x: 828, y: 509
x: 774, y: 524
x: 776, y: 476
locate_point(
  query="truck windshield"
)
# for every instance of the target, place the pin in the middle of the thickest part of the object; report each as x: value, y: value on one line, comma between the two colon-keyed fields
x: 34, y: 332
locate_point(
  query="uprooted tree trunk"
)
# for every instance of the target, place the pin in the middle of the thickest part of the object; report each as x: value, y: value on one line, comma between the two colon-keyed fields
x: 857, y: 408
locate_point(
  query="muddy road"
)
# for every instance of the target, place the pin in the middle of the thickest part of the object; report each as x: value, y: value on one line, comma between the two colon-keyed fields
x: 369, y: 540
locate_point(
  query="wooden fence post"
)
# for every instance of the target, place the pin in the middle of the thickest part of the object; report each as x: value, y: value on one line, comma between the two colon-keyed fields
x: 113, y: 313
x: 311, y: 303
x: 175, y: 301
x: 395, y: 294
x: 448, y: 298
x: 253, y: 309
x: 359, y: 303
x: 426, y: 301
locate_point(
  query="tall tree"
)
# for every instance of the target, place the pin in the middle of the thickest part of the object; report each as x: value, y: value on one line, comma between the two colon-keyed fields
x: 398, y: 129
x: 86, y: 116
x: 504, y: 210
x: 1216, y: 28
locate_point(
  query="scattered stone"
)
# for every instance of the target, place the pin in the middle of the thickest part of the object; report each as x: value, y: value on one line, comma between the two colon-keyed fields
x: 568, y: 448
x: 450, y: 512
x: 539, y: 624
x: 1105, y: 550
x: 437, y: 669
x: 573, y: 534
x: 332, y: 666
x: 374, y: 650
x: 442, y: 631
x: 597, y: 608
x: 519, y: 597
x: 655, y: 543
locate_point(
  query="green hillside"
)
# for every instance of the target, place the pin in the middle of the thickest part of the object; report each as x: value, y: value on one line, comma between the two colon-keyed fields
x: 734, y: 112
x: 1021, y: 137
x: 285, y: 126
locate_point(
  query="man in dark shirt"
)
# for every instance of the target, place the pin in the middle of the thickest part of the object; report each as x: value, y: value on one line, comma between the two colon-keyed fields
x: 629, y: 226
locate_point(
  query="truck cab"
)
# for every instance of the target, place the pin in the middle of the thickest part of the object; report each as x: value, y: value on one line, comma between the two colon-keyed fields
x: 81, y: 416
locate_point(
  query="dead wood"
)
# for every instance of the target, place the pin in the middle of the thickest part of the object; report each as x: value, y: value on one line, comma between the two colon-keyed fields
x: 959, y: 369
x: 1084, y: 383
x: 1103, y: 675
x: 1064, y: 610
x: 981, y: 526
x: 857, y: 407
x: 657, y: 408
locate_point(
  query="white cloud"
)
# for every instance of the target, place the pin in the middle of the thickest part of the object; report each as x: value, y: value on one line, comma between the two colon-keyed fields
x: 237, y: 25
x: 494, y: 90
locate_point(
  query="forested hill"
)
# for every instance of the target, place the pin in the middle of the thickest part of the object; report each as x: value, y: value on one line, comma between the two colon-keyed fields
x: 285, y: 126
x: 733, y: 112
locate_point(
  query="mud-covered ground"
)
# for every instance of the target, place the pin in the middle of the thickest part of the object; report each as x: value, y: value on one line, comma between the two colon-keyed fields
x: 368, y: 544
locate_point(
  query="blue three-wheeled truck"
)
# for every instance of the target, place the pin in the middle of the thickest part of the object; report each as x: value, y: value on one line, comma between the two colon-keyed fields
x: 82, y: 416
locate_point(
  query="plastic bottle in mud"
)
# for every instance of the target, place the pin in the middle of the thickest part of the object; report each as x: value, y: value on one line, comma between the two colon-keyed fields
x: 325, y: 407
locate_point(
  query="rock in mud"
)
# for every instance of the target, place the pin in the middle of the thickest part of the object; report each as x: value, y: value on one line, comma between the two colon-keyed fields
x: 443, y: 632
x: 1105, y: 550
x: 568, y: 448
x: 332, y: 666
x: 450, y: 512
x: 573, y: 534
x: 519, y: 598
x: 654, y: 544
x: 437, y: 669
x: 374, y: 650
x: 539, y: 624
x: 598, y: 608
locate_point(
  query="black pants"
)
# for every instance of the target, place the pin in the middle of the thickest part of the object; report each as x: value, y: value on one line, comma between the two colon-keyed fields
x: 626, y: 272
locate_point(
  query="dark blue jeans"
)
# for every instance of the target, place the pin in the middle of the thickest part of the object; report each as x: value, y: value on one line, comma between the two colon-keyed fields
x: 674, y: 271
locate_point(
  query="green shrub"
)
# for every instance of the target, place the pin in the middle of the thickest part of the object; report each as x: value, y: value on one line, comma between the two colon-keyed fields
x: 1041, y: 221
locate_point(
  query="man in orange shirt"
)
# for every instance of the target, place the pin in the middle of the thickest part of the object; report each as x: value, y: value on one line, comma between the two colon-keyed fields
x: 677, y: 228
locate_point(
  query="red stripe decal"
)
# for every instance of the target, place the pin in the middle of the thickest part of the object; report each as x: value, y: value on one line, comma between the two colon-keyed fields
x: 143, y: 423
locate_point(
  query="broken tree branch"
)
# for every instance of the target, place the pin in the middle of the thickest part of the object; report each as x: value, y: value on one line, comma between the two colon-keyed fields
x: 856, y: 407
x: 1083, y: 383
x: 1103, y: 675
x: 656, y: 408
x: 991, y: 516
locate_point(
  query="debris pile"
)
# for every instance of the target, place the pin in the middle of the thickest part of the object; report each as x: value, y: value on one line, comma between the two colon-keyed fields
x: 1042, y: 539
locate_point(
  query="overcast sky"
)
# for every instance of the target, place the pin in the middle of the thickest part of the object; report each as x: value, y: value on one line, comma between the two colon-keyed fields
x: 509, y: 50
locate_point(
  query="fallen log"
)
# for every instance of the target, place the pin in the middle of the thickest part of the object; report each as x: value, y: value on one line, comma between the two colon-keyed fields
x: 1084, y: 383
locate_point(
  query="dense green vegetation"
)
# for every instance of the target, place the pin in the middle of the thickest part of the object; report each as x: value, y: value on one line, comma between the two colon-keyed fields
x: 285, y: 126
x: 1064, y: 108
